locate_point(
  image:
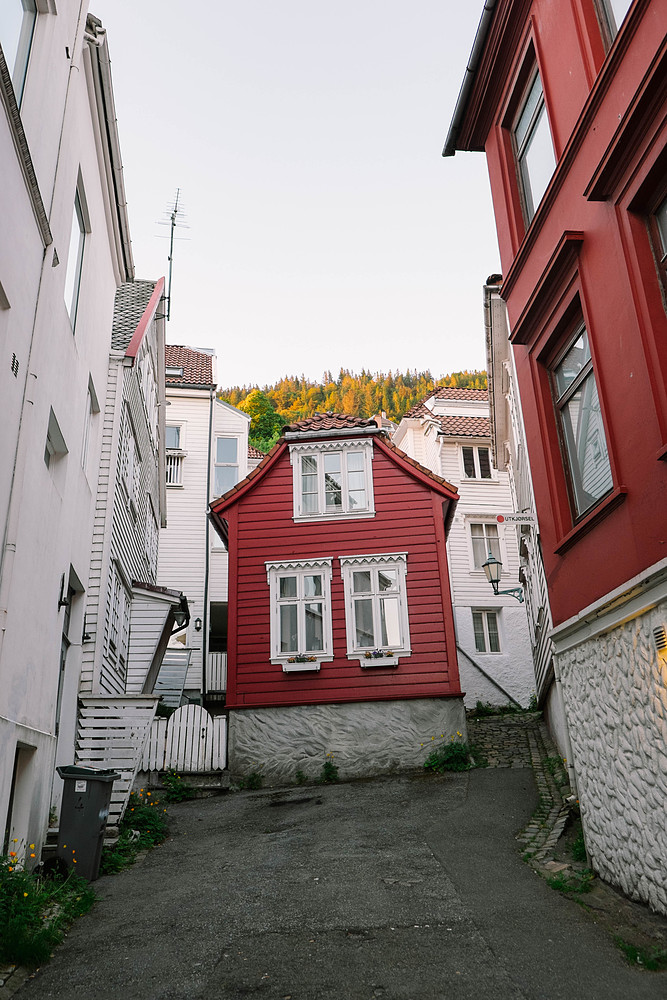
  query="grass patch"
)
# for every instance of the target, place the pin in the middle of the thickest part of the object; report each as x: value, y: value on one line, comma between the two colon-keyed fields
x: 450, y: 755
x: 653, y: 959
x: 483, y: 709
x: 143, y: 826
x: 252, y: 783
x: 36, y: 910
x: 578, y: 849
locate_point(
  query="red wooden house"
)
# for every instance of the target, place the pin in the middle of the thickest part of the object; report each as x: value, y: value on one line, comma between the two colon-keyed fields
x: 569, y: 103
x: 341, y: 634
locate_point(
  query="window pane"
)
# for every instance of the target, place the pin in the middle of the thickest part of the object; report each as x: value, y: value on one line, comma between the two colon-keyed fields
x: 468, y: 463
x: 309, y: 503
x: 478, y: 626
x: 74, y: 260
x: 484, y: 463
x: 357, y: 500
x: 312, y: 586
x: 573, y: 363
x: 288, y: 586
x: 172, y: 437
x: 309, y: 465
x: 314, y: 628
x: 661, y: 220
x: 527, y: 114
x: 617, y: 9
x: 361, y: 582
x: 492, y: 625
x: 356, y: 481
x: 17, y: 24
x: 332, y: 462
x: 363, y: 621
x: 538, y: 162
x: 333, y: 489
x: 386, y: 579
x: 586, y: 445
x: 226, y: 476
x: 389, y: 621
x: 355, y: 461
x: 225, y: 450
x: 289, y: 639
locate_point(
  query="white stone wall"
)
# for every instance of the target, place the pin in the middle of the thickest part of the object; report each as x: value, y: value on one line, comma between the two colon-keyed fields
x: 615, y: 689
x: 365, y: 738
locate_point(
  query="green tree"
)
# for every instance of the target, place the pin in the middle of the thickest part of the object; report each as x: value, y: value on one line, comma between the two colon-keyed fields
x: 265, y: 423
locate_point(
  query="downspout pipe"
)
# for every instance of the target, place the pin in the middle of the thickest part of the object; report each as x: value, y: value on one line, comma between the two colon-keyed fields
x: 207, y: 559
x: 469, y: 78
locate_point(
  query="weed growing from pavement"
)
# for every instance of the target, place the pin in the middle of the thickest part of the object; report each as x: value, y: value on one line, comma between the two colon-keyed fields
x: 483, y: 709
x: 653, y: 959
x: 300, y: 778
x: 251, y: 783
x: 556, y: 768
x: 176, y: 789
x: 452, y: 755
x: 572, y: 883
x: 36, y: 910
x: 143, y: 826
x: 578, y: 849
x: 329, y: 772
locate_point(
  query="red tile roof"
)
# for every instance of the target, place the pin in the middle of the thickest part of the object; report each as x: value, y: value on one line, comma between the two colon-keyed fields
x: 329, y: 421
x: 456, y: 425
x: 449, y: 392
x: 197, y: 366
x: 254, y: 452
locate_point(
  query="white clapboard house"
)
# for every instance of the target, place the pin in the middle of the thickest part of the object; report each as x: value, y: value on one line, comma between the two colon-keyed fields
x: 450, y: 433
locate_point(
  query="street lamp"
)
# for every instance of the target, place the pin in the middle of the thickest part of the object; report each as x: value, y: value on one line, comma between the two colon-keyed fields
x: 493, y: 568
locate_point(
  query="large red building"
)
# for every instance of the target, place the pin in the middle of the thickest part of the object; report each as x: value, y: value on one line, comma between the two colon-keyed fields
x: 341, y: 631
x: 569, y: 103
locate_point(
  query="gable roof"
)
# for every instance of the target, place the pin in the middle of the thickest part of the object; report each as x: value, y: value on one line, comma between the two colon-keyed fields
x: 328, y: 421
x: 131, y: 302
x: 455, y: 424
x: 409, y: 465
x: 255, y: 452
x: 197, y: 367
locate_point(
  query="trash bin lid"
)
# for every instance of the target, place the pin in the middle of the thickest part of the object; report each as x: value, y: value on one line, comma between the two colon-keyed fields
x: 90, y: 773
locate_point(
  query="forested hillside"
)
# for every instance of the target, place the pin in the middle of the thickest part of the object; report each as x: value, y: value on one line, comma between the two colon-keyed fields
x: 365, y: 394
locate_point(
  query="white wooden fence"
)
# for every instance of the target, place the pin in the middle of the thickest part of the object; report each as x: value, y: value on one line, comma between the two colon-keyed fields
x: 190, y: 740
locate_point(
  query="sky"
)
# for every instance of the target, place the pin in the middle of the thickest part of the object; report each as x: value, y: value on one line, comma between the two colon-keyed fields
x: 321, y: 226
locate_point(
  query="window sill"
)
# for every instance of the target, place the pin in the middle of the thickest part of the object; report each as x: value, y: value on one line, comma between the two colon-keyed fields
x: 174, y: 486
x: 300, y: 518
x: 610, y: 502
x: 311, y: 666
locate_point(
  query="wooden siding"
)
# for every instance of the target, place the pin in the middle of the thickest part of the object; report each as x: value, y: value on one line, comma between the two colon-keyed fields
x: 148, y: 617
x: 120, y: 535
x: 262, y: 529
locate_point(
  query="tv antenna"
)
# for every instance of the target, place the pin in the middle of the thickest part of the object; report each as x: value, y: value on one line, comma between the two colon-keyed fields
x: 174, y: 223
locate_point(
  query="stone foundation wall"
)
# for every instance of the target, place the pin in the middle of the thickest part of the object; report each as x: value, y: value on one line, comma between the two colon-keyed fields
x: 366, y: 738
x: 615, y: 689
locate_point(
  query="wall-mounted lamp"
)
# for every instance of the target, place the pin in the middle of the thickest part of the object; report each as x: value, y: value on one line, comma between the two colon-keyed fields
x: 493, y: 568
x: 198, y: 624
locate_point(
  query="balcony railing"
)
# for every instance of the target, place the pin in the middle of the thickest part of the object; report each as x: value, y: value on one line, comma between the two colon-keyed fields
x: 216, y: 679
x: 174, y: 465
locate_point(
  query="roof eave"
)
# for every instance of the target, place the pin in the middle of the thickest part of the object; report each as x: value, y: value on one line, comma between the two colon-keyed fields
x: 461, y: 108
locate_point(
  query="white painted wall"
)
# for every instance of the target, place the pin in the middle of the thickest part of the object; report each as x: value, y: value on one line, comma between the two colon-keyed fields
x: 184, y: 542
x: 480, y: 500
x: 46, y: 514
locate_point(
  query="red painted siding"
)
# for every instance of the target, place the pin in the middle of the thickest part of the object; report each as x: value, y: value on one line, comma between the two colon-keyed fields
x: 607, y: 111
x: 409, y: 518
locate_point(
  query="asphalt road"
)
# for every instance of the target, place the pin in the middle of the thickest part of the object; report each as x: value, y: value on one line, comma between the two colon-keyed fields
x: 402, y: 889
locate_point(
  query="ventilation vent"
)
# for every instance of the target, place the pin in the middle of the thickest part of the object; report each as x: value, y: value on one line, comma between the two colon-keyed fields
x: 660, y: 638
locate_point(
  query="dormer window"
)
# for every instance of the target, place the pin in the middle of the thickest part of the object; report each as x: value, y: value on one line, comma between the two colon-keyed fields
x: 173, y: 371
x: 332, y: 480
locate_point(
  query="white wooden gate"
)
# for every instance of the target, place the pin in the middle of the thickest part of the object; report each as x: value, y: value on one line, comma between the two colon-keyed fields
x: 190, y: 740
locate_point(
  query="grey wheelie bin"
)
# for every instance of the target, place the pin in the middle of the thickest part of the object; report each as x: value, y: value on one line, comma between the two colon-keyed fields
x: 83, y: 817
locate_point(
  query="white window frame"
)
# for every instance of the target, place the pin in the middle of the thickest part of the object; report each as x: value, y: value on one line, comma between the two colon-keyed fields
x: 118, y: 640
x: 351, y: 564
x: 174, y: 458
x: 474, y: 448
x: 92, y: 407
x: 225, y: 465
x: 499, y: 554
x: 76, y: 252
x: 485, y: 612
x: 300, y: 660
x: 318, y: 450
x: 18, y: 55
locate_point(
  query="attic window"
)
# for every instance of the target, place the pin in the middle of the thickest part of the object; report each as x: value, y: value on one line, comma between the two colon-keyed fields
x: 173, y: 371
x: 332, y: 480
